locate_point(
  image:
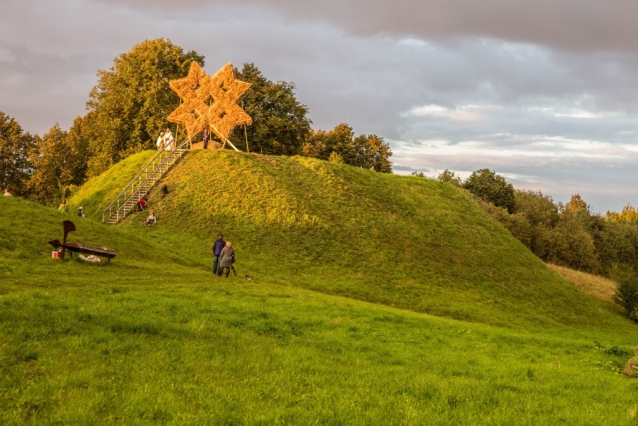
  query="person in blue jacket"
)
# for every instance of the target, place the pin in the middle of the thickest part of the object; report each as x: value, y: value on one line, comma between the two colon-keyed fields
x: 217, y: 250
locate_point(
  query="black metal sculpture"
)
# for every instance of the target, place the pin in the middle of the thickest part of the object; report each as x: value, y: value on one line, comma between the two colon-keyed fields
x: 80, y: 248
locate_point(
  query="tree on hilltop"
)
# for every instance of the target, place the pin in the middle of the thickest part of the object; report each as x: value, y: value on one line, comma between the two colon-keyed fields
x: 280, y: 122
x: 321, y: 144
x: 129, y: 105
x: 450, y: 177
x: 15, y: 145
x: 490, y: 187
x: 366, y: 151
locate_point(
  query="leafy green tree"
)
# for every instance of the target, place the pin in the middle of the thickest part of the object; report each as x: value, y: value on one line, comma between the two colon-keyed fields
x: 539, y: 209
x: 15, y: 145
x: 579, y: 212
x: 490, y: 187
x: 129, y: 105
x: 366, y: 151
x: 554, y: 236
x: 373, y: 153
x: 280, y: 122
x: 517, y: 223
x: 541, y: 213
x: 450, y: 177
x: 569, y: 244
x: 53, y: 170
x: 570, y: 234
x: 626, y: 294
x: 321, y: 144
x: 77, y: 145
x: 617, y: 244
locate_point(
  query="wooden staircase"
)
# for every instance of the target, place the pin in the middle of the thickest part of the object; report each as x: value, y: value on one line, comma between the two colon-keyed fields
x: 141, y: 184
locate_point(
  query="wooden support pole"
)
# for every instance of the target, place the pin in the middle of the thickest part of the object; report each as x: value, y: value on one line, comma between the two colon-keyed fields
x: 231, y: 144
x: 246, y: 136
x: 224, y: 139
x: 245, y: 131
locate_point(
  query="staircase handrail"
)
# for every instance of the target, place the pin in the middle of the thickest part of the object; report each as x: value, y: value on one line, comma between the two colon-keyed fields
x: 144, y: 169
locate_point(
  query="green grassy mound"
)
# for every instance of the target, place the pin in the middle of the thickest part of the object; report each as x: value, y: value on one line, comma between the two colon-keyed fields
x: 153, y: 338
x: 407, y: 242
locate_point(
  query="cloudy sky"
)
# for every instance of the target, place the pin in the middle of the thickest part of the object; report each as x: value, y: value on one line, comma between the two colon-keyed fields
x: 545, y: 92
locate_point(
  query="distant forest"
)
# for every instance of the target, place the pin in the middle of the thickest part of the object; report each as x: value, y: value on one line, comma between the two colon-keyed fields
x: 567, y: 234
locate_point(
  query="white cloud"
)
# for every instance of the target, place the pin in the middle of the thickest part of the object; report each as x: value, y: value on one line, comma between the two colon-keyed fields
x: 578, y: 114
x: 462, y: 113
x: 427, y: 110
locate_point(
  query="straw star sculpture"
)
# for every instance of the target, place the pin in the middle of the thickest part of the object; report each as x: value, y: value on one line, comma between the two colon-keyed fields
x: 209, y: 102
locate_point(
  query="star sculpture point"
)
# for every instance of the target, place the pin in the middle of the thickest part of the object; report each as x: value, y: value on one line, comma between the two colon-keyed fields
x: 209, y: 101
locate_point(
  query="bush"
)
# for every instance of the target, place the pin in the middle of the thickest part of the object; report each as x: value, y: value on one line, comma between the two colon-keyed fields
x: 451, y: 178
x: 517, y: 224
x: 490, y: 187
x: 626, y: 290
x: 568, y: 245
x: 335, y: 158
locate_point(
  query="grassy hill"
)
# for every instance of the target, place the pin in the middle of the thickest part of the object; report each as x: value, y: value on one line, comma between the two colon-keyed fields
x: 99, y: 191
x: 406, y: 242
x: 153, y: 338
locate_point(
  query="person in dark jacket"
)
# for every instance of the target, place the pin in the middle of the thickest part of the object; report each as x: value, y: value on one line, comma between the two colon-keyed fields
x: 226, y: 259
x: 217, y: 250
x: 205, y: 139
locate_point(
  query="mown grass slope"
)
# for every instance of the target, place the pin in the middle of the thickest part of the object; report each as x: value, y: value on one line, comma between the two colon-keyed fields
x: 407, y: 242
x: 599, y: 288
x: 153, y: 338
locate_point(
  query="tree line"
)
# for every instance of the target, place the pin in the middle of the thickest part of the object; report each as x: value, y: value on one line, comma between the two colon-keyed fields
x: 127, y: 110
x: 568, y: 234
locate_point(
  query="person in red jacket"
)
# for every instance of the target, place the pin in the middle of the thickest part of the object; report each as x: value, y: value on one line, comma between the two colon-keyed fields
x: 141, y: 204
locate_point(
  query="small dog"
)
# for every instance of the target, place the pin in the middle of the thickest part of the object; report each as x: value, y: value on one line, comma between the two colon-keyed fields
x: 248, y: 277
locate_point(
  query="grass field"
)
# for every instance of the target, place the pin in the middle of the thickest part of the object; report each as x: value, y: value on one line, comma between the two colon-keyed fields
x: 153, y: 337
x: 235, y: 353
